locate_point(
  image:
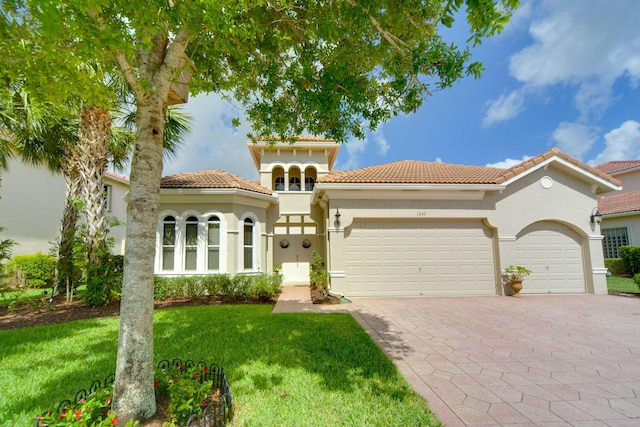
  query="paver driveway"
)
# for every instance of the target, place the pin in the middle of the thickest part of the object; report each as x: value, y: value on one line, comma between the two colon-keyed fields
x: 530, y: 361
x: 562, y: 360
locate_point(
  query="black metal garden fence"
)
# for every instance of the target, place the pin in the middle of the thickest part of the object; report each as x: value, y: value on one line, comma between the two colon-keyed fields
x: 215, y: 414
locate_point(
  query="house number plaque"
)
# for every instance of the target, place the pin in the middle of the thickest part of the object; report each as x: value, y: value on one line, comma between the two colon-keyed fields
x: 421, y: 213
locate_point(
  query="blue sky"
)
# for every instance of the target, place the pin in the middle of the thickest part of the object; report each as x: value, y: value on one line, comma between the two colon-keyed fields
x: 565, y: 73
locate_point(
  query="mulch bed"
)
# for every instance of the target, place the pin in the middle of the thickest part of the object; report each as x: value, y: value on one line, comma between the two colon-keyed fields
x: 60, y: 311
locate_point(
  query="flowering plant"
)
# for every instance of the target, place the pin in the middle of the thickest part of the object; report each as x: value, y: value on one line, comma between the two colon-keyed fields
x: 93, y: 411
x: 517, y: 272
x: 187, y: 391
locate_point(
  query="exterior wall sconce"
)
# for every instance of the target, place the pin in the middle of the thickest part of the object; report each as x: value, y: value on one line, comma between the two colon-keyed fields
x: 596, y: 216
x: 337, y: 215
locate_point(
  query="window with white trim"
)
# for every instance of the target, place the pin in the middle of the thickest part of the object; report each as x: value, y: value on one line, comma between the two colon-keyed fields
x: 213, y: 243
x: 191, y: 243
x: 248, y: 244
x: 613, y: 239
x: 168, y: 242
x: 106, y: 193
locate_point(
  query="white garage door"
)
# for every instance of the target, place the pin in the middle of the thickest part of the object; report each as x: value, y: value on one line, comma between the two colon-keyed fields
x: 553, y: 253
x: 395, y: 258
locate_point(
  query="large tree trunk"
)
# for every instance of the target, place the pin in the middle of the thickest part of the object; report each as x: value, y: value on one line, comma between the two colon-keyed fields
x: 66, y: 266
x: 134, y: 395
x: 93, y: 155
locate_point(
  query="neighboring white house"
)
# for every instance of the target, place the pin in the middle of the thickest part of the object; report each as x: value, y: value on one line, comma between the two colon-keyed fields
x: 32, y: 201
x: 407, y: 228
x: 621, y: 210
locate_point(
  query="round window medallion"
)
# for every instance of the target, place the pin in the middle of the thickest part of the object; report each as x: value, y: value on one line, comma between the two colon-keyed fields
x: 306, y: 243
x: 284, y: 243
x: 546, y: 182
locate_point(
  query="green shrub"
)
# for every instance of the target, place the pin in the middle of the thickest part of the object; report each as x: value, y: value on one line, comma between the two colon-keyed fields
x: 631, y: 259
x: 32, y: 271
x: 265, y: 287
x: 636, y: 278
x: 318, y: 275
x: 219, y: 286
x: 615, y: 266
x: 104, y: 280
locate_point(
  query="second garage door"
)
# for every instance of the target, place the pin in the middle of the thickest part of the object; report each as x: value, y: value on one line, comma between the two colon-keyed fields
x: 554, y: 255
x: 435, y: 258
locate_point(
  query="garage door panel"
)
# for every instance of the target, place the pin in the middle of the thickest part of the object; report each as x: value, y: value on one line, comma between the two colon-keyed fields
x: 419, y: 258
x: 553, y: 253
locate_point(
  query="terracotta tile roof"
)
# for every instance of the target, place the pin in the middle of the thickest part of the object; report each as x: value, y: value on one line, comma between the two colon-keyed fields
x: 212, y: 179
x: 117, y: 176
x: 528, y: 164
x: 618, y: 166
x: 417, y: 172
x: 619, y: 203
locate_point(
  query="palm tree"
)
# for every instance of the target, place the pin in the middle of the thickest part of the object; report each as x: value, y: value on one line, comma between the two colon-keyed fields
x: 80, y: 145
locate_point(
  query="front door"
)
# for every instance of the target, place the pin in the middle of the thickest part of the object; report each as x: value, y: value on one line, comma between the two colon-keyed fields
x: 294, y: 253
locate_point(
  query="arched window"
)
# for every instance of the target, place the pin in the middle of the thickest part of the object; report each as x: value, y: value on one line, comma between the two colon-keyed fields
x: 168, y: 242
x: 294, y: 178
x: 248, y: 244
x: 309, y: 183
x: 278, y: 178
x: 279, y: 183
x: 213, y: 243
x: 310, y: 176
x: 191, y: 243
x: 294, y: 183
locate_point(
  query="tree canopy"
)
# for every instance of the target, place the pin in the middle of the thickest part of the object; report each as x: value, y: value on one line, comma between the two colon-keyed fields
x: 326, y: 67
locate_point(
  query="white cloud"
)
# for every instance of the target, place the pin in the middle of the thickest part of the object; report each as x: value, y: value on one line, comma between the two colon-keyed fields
x: 214, y: 143
x: 381, y: 142
x: 507, y: 163
x: 622, y: 143
x: 356, y: 148
x: 438, y: 160
x: 587, y: 43
x: 504, y: 108
x: 575, y: 139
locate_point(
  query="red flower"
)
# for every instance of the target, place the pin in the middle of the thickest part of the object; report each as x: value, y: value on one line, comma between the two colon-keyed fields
x: 109, y: 399
x: 203, y: 403
x: 155, y: 383
x: 114, y: 421
x: 62, y: 415
x: 205, y: 369
x: 181, y: 367
x: 196, y: 374
x: 39, y: 417
x: 78, y: 414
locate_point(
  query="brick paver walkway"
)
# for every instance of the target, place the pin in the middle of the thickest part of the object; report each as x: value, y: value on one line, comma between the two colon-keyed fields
x: 563, y: 360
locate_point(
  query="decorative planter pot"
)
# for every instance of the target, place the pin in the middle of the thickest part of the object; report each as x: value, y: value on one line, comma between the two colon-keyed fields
x: 516, y: 287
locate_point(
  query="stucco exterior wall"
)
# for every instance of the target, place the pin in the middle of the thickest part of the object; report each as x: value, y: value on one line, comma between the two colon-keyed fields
x: 31, y: 206
x: 631, y: 222
x: 630, y: 181
x: 569, y: 201
x: 232, y: 216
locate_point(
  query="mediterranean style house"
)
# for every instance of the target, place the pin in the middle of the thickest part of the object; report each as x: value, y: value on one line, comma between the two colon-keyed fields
x: 407, y: 228
x: 621, y: 210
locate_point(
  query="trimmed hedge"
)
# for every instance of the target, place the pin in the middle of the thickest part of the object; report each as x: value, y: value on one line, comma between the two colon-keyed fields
x: 615, y: 266
x: 262, y: 287
x: 631, y: 259
x: 32, y: 271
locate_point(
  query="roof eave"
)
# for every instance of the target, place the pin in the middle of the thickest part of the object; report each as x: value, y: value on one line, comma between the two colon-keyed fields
x: 602, y: 183
x: 220, y: 191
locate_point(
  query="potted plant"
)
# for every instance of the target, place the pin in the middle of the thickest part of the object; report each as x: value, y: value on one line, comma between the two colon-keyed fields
x: 516, y: 274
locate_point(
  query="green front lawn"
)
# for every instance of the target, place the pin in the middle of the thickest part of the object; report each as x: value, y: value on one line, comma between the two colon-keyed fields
x: 622, y: 284
x: 299, y: 369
